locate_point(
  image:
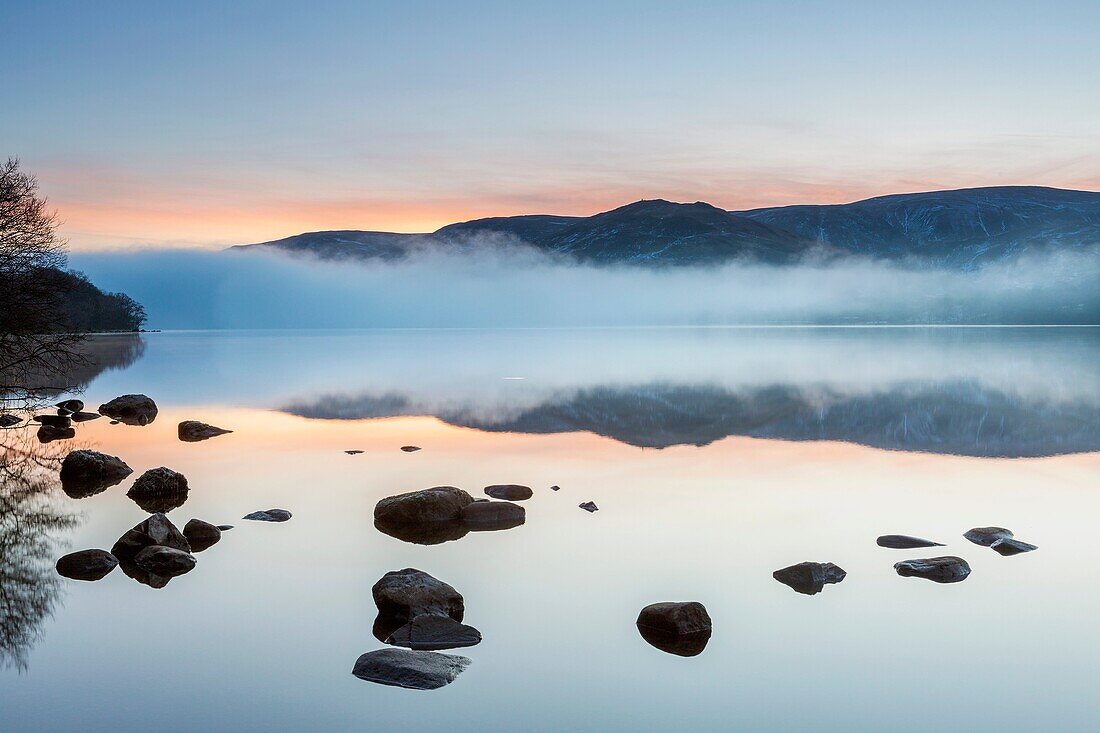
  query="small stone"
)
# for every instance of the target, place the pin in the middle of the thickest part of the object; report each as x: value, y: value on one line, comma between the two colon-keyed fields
x: 682, y: 629
x: 410, y: 448
x: 948, y: 569
x: 86, y: 564
x: 409, y: 669
x: 810, y: 578
x: 555, y: 488
x: 269, y: 515
x: 201, y: 535
x: 509, y: 492
x: 225, y: 527
x: 904, y: 542
x: 192, y: 431
x: 1008, y: 546
x: 589, y: 506
x: 986, y: 536
x: 159, y: 490
x: 353, y: 452
x: 85, y: 416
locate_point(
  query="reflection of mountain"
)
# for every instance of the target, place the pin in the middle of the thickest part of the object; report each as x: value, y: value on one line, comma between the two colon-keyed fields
x: 29, y: 524
x: 961, y: 417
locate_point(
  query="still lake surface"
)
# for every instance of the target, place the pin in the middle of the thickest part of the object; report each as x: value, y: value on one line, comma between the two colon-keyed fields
x: 716, y: 456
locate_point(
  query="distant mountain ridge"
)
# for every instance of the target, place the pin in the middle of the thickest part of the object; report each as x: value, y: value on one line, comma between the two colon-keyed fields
x: 960, y: 229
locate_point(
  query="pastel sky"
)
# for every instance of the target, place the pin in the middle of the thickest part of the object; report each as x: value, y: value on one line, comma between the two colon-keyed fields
x: 202, y: 123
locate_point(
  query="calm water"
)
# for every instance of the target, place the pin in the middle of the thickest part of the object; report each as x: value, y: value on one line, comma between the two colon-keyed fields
x: 715, y: 455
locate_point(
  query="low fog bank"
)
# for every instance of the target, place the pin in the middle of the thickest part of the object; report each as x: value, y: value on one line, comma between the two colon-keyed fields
x: 515, y: 288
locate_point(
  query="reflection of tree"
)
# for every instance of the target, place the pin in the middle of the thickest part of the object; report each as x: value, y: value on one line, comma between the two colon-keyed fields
x: 30, y: 521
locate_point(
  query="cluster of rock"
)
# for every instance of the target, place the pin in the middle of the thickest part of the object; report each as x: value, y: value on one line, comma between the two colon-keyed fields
x: 58, y: 426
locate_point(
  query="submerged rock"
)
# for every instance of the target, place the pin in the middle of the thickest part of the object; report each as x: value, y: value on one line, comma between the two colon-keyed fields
x: 905, y: 542
x: 85, y: 473
x: 406, y: 594
x: 809, y: 578
x: 131, y: 409
x: 409, y: 669
x: 159, y: 490
x: 48, y: 434
x: 948, y: 569
x: 509, y: 492
x: 432, y: 633
x: 410, y: 448
x: 7, y: 420
x: 166, y: 562
x: 70, y: 405
x: 682, y: 629
x: 192, y: 431
x: 589, y: 506
x: 437, y: 504
x: 54, y: 421
x: 482, y: 516
x: 986, y: 536
x: 201, y: 535
x: 269, y: 515
x: 1010, y: 546
x: 86, y: 564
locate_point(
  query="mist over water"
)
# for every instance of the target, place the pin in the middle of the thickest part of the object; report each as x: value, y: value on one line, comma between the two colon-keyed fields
x: 498, y: 286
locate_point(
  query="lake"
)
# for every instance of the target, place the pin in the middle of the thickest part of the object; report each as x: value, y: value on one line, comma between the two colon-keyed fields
x: 715, y: 456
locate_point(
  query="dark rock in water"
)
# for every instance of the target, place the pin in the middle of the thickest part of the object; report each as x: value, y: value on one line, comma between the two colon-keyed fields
x: 353, y: 452
x: 201, y: 535
x: 410, y: 448
x: 192, y: 431
x: 433, y: 633
x: 409, y: 669
x: 48, y: 434
x: 555, y: 488
x: 86, y: 564
x: 159, y: 490
x: 131, y: 409
x: 905, y: 542
x: 986, y: 536
x: 589, y: 506
x: 269, y: 515
x: 682, y: 629
x: 54, y: 421
x: 70, y: 405
x: 85, y: 473
x: 809, y: 577
x: 166, y: 562
x: 424, y: 533
x: 85, y: 416
x: 406, y: 594
x: 682, y: 645
x: 482, y: 516
x: 437, y: 504
x: 7, y: 420
x: 225, y: 527
x: 156, y: 531
x: 509, y: 492
x: 948, y: 569
x: 1010, y: 546
x: 114, y: 422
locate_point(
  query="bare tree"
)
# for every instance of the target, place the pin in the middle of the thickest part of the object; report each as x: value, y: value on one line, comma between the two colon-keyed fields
x: 34, y: 342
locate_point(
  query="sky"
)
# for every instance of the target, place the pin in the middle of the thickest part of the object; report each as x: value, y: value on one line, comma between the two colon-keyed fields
x: 208, y: 124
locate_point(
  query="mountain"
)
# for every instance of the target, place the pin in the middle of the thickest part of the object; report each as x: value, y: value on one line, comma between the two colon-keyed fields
x: 961, y: 229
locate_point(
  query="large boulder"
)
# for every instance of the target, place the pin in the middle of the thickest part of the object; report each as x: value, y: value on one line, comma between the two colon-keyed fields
x: 947, y: 569
x: 986, y: 536
x: 406, y: 594
x: 409, y: 669
x: 682, y: 629
x: 131, y: 409
x: 192, y: 431
x: 201, y: 535
x: 86, y: 564
x: 432, y: 633
x: 809, y: 577
x: 509, y: 492
x: 159, y: 490
x: 87, y: 472
x: 481, y: 516
x: 904, y: 542
x: 437, y: 504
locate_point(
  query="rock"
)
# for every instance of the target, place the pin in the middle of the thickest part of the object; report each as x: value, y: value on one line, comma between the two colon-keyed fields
x: 157, y: 531
x: 85, y: 473
x: 269, y: 515
x: 1009, y: 546
x: 682, y: 629
x: 409, y: 669
x: 85, y: 416
x: 201, y: 535
x: 192, y: 431
x: 986, y: 536
x: 406, y: 594
x: 509, y: 492
x: 131, y: 409
x: 54, y: 421
x: 86, y: 564
x: 167, y: 562
x: 159, y: 490
x: 225, y: 527
x: 437, y: 504
x: 424, y: 533
x: 589, y: 506
x: 482, y: 516
x: 432, y: 633
x: 70, y: 405
x: 809, y: 577
x: 410, y: 448
x: 48, y: 434
x: 555, y: 488
x: 353, y: 452
x: 948, y: 569
x: 7, y: 420
x: 904, y: 542
x: 63, y: 412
